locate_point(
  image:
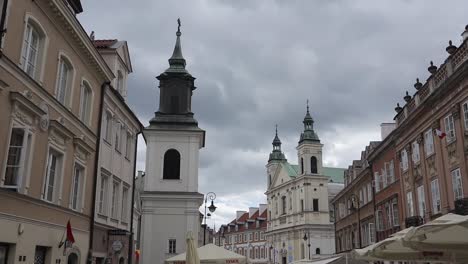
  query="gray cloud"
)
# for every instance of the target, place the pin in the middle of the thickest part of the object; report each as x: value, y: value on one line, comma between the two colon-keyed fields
x: 257, y: 62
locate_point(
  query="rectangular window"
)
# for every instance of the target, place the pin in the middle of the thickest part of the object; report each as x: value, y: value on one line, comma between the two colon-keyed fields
x: 128, y: 146
x: 76, y: 187
x: 172, y: 246
x: 103, y: 194
x: 302, y: 205
x: 108, y: 127
x: 377, y: 181
x: 85, y: 103
x: 3, y: 253
x: 389, y: 214
x: 421, y: 201
x: 125, y: 204
x: 369, y: 192
x: 415, y: 152
x: 118, y: 129
x: 30, y: 50
x: 409, y: 204
x: 383, y: 176
x: 315, y: 205
x: 404, y: 160
x: 18, y: 158
x: 435, y: 196
x: 395, y: 212
x: 283, y: 205
x: 457, y: 184
x: 449, y: 128
x: 379, y: 220
x: 428, y: 142
x: 390, y: 168
x: 115, y: 199
x: 245, y: 238
x: 465, y: 114
x: 371, y: 233
x: 53, y: 175
x: 262, y: 236
x: 250, y: 237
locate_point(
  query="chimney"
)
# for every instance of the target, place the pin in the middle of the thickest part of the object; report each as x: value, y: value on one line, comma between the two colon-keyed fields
x: 252, y: 211
x: 386, y: 129
x: 263, y: 207
x: 239, y: 214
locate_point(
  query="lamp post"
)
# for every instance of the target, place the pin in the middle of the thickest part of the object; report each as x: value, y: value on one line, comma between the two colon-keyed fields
x: 353, y: 208
x: 211, y: 196
x: 305, y: 240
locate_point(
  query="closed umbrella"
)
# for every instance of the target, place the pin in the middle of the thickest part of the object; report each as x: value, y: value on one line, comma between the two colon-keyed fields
x: 191, y: 256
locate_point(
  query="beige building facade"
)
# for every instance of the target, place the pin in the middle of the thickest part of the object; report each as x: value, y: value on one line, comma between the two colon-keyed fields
x: 51, y: 78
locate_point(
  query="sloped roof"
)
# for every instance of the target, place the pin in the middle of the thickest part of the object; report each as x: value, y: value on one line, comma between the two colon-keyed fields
x: 335, y: 174
x: 104, y: 43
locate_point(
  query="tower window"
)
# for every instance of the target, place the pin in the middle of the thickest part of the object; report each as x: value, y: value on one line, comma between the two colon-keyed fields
x: 171, y: 165
x: 317, y: 251
x: 174, y: 104
x: 302, y: 166
x: 313, y: 164
x: 315, y: 205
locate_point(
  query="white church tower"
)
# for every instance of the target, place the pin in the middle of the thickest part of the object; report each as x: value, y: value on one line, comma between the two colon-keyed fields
x: 170, y: 198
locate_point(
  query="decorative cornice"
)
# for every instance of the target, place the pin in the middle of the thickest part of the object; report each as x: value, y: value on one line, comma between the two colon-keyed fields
x: 61, y: 129
x: 25, y: 103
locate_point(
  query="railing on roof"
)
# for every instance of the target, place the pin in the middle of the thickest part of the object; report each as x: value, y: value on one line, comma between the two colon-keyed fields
x: 452, y: 63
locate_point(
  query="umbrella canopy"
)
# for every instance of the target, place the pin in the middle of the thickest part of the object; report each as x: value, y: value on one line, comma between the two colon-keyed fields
x: 192, y: 255
x: 211, y: 254
x: 394, y: 249
x: 446, y: 233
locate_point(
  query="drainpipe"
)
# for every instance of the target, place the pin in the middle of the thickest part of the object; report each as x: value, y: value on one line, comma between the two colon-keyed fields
x: 373, y: 200
x: 2, y: 24
x: 96, y: 170
x: 130, y: 242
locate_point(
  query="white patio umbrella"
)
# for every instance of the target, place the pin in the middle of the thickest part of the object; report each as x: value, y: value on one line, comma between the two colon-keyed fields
x: 191, y: 256
x: 446, y: 233
x: 394, y: 249
x: 211, y: 254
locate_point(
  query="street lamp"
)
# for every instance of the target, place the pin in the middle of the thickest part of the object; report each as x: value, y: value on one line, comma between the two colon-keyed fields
x: 353, y: 208
x: 211, y: 196
x: 305, y: 240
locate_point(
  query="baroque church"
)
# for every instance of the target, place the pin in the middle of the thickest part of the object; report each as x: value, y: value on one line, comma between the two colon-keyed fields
x: 300, y: 216
x: 170, y: 197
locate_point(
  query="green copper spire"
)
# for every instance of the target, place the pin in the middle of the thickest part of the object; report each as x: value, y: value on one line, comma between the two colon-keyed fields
x: 309, y: 133
x: 276, y: 154
x: 177, y: 61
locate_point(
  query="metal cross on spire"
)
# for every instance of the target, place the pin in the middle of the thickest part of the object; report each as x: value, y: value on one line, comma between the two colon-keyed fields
x: 178, y: 23
x: 307, y: 105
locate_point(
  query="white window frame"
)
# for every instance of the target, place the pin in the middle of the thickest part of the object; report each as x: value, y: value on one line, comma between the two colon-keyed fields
x: 429, y: 142
x: 128, y: 145
x: 108, y: 120
x: 395, y: 212
x: 172, y: 246
x: 409, y: 203
x: 76, y: 192
x: 435, y: 194
x: 371, y: 233
x: 369, y: 192
x: 415, y: 152
x: 465, y: 114
x: 404, y: 160
x: 115, y: 199
x: 125, y: 203
x: 24, y: 164
x: 118, y: 137
x: 377, y: 181
x: 67, y: 91
x: 449, y: 124
x: 41, y: 54
x: 86, y: 102
x: 421, y: 200
x: 457, y: 184
x: 103, y: 193
x: 58, y: 176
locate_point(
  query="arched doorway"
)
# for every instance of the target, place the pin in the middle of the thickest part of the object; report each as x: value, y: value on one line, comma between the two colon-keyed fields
x: 72, y: 258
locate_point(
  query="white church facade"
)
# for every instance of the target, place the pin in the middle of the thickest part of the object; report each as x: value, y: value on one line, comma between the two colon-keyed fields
x: 300, y: 220
x: 170, y: 198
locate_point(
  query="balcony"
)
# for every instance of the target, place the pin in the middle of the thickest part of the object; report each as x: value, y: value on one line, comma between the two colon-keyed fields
x: 414, y: 221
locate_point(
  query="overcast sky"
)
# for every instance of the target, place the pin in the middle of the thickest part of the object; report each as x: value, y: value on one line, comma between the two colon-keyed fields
x: 257, y: 62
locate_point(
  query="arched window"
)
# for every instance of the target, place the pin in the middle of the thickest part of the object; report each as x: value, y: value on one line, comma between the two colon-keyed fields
x: 85, y: 103
x: 283, y: 204
x: 64, y: 80
x: 313, y: 164
x: 34, y: 43
x: 171, y: 165
x: 317, y: 251
x: 269, y: 179
x: 302, y: 166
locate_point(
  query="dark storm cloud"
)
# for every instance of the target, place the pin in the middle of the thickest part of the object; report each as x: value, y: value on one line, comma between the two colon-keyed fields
x: 257, y: 62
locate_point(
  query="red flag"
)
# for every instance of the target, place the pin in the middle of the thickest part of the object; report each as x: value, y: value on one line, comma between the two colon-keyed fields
x: 70, y: 237
x: 440, y: 133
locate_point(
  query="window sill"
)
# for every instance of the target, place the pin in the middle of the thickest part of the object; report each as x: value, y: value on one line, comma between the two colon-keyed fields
x: 430, y: 155
x: 451, y: 141
x: 103, y: 216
